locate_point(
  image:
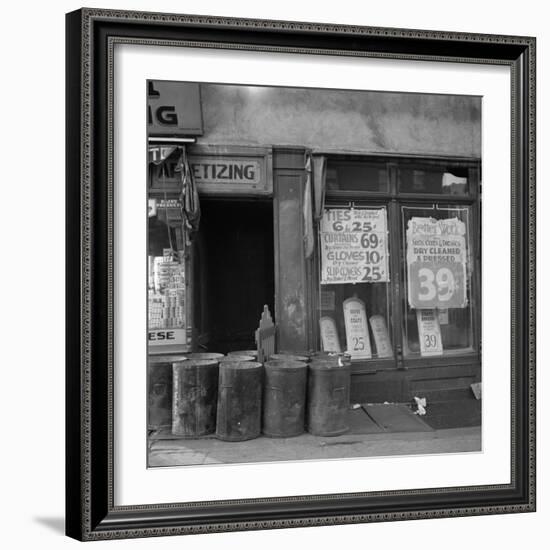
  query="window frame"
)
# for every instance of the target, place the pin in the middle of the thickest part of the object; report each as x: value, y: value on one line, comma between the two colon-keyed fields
x: 393, y: 200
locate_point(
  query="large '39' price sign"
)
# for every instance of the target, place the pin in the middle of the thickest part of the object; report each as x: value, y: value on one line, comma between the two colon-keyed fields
x: 436, y: 262
x: 354, y: 246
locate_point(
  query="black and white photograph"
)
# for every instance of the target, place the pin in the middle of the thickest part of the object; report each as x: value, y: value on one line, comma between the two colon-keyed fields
x: 313, y: 273
x: 300, y: 274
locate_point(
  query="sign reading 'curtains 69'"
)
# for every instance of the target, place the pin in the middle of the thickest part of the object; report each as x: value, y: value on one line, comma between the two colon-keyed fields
x: 436, y: 263
x: 354, y: 246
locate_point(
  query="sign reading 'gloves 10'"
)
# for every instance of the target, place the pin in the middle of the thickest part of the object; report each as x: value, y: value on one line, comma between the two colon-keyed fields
x: 436, y: 263
x: 354, y: 246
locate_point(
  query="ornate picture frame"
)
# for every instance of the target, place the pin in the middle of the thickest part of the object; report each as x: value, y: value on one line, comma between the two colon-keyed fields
x: 91, y: 509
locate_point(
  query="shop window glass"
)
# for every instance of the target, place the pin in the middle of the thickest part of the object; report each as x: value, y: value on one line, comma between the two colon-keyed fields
x: 441, y: 179
x: 166, y: 274
x: 354, y: 302
x: 357, y: 176
x: 437, y: 271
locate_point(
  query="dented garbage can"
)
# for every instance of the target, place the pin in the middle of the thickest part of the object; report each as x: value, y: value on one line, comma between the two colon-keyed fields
x: 252, y: 352
x: 239, y: 414
x: 289, y: 357
x: 159, y: 390
x: 328, y: 398
x: 236, y: 357
x: 195, y: 397
x: 204, y: 355
x: 284, y: 399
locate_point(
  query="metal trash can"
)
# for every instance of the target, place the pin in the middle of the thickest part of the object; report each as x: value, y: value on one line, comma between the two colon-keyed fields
x: 252, y: 352
x: 195, y: 397
x: 204, y: 355
x: 159, y: 390
x: 235, y: 357
x: 284, y: 399
x: 328, y: 398
x: 331, y: 357
x: 289, y: 357
x: 239, y: 415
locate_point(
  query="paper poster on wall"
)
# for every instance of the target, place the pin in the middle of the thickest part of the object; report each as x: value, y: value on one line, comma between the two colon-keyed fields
x: 354, y: 246
x: 429, y: 332
x: 329, y: 335
x: 357, y: 331
x: 436, y: 263
x: 381, y: 336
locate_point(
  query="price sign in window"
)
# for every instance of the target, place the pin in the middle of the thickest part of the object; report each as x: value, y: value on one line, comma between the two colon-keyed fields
x: 357, y: 332
x: 429, y: 332
x: 354, y: 246
x: 354, y: 303
x: 436, y: 263
x: 437, y: 268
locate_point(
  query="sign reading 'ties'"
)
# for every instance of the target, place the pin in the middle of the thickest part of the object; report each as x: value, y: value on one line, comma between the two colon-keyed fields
x: 173, y: 109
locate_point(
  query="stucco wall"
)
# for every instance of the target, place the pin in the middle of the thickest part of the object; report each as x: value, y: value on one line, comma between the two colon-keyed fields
x: 371, y: 122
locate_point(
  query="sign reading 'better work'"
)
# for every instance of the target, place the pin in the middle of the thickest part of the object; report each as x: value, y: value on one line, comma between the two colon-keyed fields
x: 354, y: 246
x: 436, y: 262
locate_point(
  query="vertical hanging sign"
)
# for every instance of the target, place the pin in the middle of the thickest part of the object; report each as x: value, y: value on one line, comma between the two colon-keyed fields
x: 429, y: 332
x: 354, y: 246
x: 357, y: 331
x: 381, y: 336
x: 329, y: 335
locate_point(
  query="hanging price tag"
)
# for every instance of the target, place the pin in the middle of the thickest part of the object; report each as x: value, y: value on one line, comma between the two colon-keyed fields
x: 429, y: 332
x: 329, y: 335
x: 381, y: 336
x: 357, y: 332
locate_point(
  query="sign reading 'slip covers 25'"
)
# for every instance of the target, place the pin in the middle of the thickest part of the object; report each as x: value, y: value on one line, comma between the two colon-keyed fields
x: 173, y: 109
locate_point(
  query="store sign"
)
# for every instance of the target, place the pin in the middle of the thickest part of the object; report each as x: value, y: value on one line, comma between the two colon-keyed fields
x: 216, y: 174
x: 357, y: 331
x: 429, y: 332
x: 173, y: 109
x: 381, y: 336
x: 226, y: 170
x: 329, y: 335
x: 436, y: 263
x: 354, y: 246
x: 163, y: 337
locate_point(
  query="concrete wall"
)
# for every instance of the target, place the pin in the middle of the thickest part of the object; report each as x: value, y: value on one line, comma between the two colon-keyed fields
x: 329, y: 120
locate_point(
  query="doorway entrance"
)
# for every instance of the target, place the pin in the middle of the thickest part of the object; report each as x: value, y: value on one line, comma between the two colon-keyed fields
x: 234, y: 272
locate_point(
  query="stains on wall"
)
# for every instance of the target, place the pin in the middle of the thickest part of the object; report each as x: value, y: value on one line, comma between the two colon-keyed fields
x: 332, y: 120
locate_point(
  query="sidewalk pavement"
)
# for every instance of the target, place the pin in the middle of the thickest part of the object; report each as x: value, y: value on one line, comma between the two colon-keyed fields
x: 366, y: 438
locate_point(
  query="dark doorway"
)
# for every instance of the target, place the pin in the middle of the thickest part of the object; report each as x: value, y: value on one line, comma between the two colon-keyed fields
x: 236, y: 272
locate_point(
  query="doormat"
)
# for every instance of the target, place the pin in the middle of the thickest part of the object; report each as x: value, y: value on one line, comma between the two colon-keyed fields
x: 395, y: 418
x: 463, y: 413
x: 361, y: 423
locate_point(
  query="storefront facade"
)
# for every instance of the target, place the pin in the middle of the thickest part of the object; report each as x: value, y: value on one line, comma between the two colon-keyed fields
x: 354, y: 216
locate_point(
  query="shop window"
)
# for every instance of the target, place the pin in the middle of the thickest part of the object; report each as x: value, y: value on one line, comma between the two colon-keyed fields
x: 436, y: 179
x: 437, y: 266
x: 167, y: 302
x: 354, y: 302
x: 431, y: 264
x: 357, y: 176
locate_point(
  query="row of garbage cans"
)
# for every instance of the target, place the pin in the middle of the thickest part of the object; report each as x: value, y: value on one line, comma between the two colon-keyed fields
x: 237, y: 398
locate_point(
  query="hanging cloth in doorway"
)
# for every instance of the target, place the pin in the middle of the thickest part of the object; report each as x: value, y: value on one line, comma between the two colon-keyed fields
x: 319, y: 184
x: 309, y: 240
x: 191, y: 208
